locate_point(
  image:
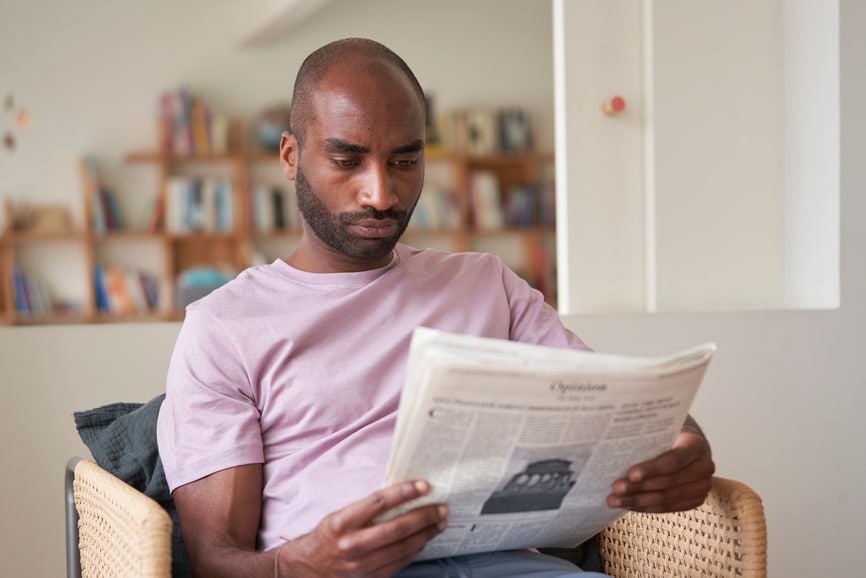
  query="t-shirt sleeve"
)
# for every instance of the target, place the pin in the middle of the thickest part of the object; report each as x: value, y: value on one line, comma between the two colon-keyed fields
x: 533, y: 320
x: 209, y: 420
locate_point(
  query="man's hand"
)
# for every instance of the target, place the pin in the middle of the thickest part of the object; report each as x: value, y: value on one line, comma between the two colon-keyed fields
x: 349, y: 542
x: 678, y: 479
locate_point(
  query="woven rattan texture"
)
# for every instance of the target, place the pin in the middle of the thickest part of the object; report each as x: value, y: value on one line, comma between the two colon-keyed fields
x: 725, y: 537
x: 121, y: 531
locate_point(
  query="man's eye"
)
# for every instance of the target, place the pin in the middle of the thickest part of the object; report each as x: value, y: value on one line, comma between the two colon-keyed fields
x: 406, y: 163
x: 345, y: 163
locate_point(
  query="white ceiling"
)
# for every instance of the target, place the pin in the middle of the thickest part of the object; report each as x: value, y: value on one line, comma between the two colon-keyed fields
x: 282, y: 17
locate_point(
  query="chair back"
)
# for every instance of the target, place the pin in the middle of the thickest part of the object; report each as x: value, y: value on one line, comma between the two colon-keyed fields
x: 726, y: 537
x: 112, y: 529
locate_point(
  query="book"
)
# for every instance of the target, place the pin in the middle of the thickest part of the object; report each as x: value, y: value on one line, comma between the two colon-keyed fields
x: 515, y: 130
x: 485, y: 205
x: 198, y: 116
x: 224, y: 206
x: 119, y: 299
x: 135, y: 290
x: 524, y: 441
x: 165, y: 123
x: 150, y: 286
x: 219, y: 133
x: 482, y: 130
x: 101, y: 296
x: 156, y: 216
x: 19, y: 290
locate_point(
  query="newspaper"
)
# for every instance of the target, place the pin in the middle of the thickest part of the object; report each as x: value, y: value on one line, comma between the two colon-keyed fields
x: 523, y: 441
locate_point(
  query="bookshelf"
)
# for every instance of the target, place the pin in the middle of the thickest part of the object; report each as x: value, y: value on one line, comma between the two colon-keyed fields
x: 180, y: 250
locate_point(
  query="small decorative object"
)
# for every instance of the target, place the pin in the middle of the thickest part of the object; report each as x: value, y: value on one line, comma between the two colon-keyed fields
x: 41, y: 219
x: 50, y: 219
x: 515, y: 130
x: 21, y: 119
x: 272, y: 123
x: 196, y: 282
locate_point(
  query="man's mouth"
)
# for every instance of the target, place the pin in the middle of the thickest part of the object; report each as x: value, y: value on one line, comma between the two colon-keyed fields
x: 374, y: 228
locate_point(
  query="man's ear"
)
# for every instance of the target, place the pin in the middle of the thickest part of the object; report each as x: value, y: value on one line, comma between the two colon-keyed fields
x: 289, y: 155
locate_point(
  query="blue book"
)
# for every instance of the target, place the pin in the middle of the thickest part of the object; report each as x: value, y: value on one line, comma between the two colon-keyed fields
x: 102, y: 304
x: 19, y: 286
x: 113, y: 210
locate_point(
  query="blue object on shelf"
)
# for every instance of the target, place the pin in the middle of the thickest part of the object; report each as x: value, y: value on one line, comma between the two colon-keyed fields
x: 195, y: 283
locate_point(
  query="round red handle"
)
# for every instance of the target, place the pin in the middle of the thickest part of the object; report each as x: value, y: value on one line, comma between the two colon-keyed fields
x: 614, y: 105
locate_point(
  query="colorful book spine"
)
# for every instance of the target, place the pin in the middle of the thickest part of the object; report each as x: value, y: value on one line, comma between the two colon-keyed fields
x: 102, y: 304
x: 19, y: 289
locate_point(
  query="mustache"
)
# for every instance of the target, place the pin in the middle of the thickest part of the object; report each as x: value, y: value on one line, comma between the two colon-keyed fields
x: 371, y: 213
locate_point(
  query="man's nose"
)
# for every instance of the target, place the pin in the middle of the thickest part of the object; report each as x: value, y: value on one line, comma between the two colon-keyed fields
x: 377, y: 190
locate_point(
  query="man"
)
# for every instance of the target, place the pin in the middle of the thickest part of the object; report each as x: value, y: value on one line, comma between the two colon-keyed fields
x: 284, y: 384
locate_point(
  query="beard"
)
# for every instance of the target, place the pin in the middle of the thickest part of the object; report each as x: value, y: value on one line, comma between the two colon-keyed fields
x: 332, y: 229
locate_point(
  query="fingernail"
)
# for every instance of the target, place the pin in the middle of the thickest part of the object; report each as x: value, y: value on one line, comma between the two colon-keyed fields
x: 443, y: 518
x: 422, y: 487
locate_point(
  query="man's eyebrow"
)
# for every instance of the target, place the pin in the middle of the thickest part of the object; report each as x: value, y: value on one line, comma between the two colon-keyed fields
x: 414, y: 147
x: 340, y: 146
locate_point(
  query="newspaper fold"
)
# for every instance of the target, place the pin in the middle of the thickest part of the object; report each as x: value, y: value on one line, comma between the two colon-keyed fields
x: 523, y: 441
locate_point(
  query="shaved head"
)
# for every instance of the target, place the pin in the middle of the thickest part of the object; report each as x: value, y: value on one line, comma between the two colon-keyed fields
x: 361, y: 53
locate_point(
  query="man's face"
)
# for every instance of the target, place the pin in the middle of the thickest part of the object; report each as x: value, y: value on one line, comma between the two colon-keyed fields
x: 359, y: 171
x: 336, y: 229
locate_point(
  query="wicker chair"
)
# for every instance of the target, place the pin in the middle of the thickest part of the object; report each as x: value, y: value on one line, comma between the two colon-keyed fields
x: 115, y: 530
x: 723, y: 538
x: 112, y: 529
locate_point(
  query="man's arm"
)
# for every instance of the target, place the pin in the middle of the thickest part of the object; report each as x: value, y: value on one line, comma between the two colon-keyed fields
x: 219, y: 517
x: 678, y: 479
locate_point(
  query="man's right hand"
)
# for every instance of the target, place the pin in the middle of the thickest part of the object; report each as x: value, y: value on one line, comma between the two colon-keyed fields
x: 349, y: 542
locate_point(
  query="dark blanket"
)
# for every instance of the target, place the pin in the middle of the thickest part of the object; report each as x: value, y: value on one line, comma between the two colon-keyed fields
x: 122, y: 439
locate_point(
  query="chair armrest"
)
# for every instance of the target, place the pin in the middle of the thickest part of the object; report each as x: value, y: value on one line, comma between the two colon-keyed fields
x: 121, y: 531
x: 724, y: 537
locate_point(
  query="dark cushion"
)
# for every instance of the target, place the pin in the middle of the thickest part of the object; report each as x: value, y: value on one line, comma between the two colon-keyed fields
x: 121, y: 438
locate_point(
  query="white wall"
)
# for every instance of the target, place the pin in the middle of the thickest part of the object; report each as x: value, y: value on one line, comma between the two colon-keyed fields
x: 783, y: 400
x: 718, y: 141
x: 89, y: 73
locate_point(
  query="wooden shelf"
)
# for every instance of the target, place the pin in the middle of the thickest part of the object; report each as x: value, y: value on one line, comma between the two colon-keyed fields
x: 235, y: 249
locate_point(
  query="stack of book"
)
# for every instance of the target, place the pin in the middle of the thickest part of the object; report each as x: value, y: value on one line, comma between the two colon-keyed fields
x: 437, y: 210
x: 31, y: 295
x: 483, y: 130
x: 274, y: 209
x: 187, y: 126
x: 199, y: 205
x: 121, y: 291
x: 105, y: 213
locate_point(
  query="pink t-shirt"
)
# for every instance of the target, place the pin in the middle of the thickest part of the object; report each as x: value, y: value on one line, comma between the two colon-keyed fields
x: 302, y: 372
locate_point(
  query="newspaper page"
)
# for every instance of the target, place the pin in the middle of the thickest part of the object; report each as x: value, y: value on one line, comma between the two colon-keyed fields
x: 523, y: 441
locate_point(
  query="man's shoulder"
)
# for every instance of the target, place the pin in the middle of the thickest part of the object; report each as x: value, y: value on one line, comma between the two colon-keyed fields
x: 238, y: 290
x: 436, y: 257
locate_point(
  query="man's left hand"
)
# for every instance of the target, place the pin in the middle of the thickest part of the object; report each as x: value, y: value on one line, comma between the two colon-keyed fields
x: 678, y: 479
